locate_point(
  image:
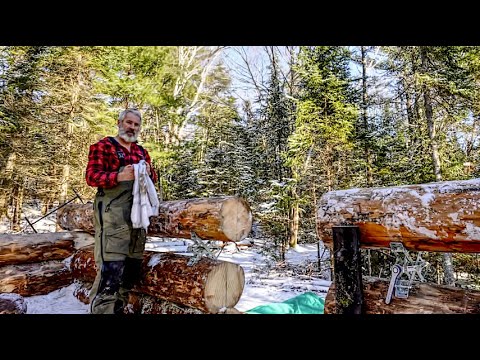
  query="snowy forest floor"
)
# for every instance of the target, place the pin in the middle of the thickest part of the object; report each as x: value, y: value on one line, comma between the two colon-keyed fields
x: 267, y: 279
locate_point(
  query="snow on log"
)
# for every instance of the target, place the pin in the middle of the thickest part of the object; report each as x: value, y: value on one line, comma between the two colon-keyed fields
x: 83, y: 265
x: 226, y: 218
x: 30, y: 248
x: 424, y: 298
x: 12, y: 304
x: 34, y: 279
x: 442, y: 216
x: 208, y: 285
x: 76, y: 217
x: 81, y: 291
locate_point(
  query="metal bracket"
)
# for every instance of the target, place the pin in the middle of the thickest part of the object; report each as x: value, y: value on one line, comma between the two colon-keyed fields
x: 200, y: 249
x: 404, y: 272
x: 77, y: 196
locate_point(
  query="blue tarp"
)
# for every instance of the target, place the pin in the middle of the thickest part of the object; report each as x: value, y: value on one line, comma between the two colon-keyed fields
x: 306, y: 303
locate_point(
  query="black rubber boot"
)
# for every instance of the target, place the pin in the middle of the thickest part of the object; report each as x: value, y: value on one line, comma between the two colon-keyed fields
x: 107, y: 299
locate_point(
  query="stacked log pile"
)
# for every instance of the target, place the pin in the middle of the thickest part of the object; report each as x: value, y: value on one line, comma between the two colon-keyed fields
x: 33, y: 264
x: 170, y: 285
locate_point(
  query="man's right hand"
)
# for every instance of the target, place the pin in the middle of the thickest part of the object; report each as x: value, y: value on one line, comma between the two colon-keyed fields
x: 126, y: 174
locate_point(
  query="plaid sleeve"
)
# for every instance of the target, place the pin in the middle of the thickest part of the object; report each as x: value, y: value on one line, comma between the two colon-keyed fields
x: 97, y: 173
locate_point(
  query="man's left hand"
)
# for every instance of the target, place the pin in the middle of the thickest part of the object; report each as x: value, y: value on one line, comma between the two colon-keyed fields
x: 149, y: 172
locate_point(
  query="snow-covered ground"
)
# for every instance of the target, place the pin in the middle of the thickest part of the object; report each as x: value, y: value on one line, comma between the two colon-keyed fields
x: 265, y: 281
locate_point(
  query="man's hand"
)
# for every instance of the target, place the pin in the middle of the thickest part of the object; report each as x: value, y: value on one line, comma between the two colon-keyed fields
x: 147, y: 166
x: 126, y: 174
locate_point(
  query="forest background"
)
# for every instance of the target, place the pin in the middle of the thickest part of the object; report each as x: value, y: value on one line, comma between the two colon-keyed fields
x: 277, y: 125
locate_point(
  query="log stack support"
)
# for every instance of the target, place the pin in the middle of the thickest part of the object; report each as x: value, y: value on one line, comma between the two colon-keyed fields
x: 36, y: 264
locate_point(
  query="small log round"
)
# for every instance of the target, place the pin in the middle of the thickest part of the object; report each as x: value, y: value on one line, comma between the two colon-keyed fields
x: 11, y: 303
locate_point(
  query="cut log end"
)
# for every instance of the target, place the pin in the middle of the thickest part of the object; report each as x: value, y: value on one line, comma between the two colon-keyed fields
x: 224, y: 286
x: 236, y: 219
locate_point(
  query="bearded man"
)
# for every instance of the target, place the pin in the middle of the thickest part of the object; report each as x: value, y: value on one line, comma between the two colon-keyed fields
x: 118, y: 246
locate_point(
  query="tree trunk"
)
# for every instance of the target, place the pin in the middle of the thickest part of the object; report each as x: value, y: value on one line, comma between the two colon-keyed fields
x: 66, y: 167
x: 442, y: 216
x: 30, y: 248
x: 432, y: 134
x: 34, y: 279
x: 424, y: 298
x: 209, y: 285
x: 17, y: 205
x: 365, y: 130
x: 6, y: 182
x: 225, y: 218
x: 12, y: 304
x: 294, y: 222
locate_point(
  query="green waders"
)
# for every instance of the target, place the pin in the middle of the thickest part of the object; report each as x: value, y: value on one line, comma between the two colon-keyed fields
x: 118, y: 249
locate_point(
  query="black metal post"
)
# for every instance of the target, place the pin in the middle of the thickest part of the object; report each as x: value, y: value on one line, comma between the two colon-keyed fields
x: 347, y: 270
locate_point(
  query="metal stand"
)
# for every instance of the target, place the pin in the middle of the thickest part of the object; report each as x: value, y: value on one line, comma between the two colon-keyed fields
x: 404, y: 267
x: 200, y: 249
x: 44, y: 216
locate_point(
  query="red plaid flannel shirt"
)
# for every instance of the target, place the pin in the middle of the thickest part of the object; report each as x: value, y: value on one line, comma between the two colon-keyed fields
x: 103, y: 163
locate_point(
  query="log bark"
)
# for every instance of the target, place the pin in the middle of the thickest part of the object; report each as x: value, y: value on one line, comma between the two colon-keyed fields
x: 209, y: 285
x: 227, y: 218
x: 82, y: 290
x: 442, y: 216
x: 76, y: 217
x: 12, y: 304
x: 31, y: 248
x: 83, y: 265
x: 424, y: 298
x: 139, y: 303
x: 34, y: 279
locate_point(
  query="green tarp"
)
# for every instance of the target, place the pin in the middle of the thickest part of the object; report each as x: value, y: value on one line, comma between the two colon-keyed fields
x: 306, y: 303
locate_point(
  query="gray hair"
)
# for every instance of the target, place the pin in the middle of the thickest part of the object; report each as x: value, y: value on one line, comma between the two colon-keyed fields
x: 130, y: 110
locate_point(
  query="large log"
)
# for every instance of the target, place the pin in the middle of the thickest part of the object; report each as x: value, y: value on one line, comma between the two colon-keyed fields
x: 12, y: 304
x: 442, y: 216
x: 423, y: 298
x: 34, y: 279
x: 139, y: 303
x: 30, y: 248
x: 209, y: 285
x: 227, y: 218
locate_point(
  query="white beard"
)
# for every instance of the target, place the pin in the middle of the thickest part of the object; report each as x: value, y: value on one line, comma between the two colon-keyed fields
x: 123, y: 134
